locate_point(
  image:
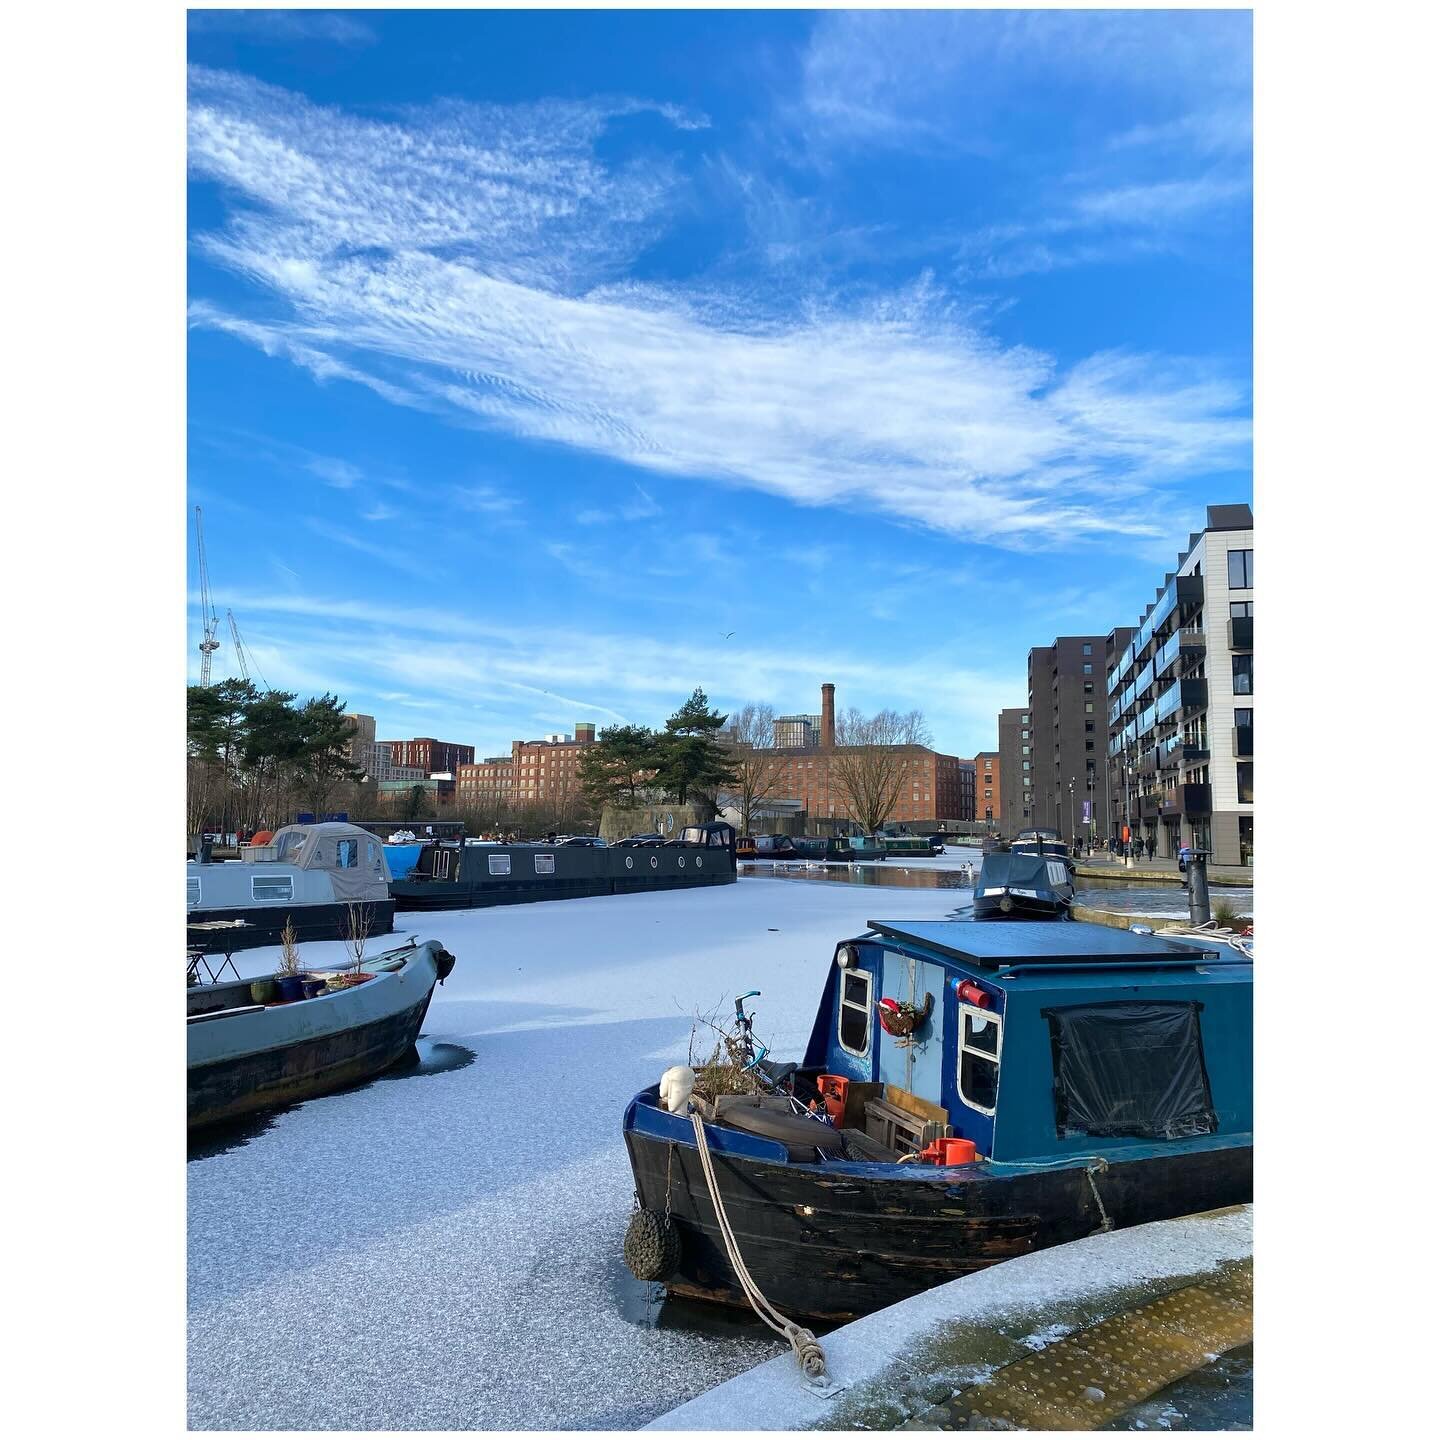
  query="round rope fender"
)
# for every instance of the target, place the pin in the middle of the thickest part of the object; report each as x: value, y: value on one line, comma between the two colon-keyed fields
x: 652, y: 1245
x: 903, y: 1019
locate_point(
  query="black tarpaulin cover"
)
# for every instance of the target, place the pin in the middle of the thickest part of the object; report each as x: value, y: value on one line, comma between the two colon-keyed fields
x: 1127, y: 1068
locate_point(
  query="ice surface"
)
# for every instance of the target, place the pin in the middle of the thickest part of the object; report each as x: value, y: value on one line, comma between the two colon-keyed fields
x: 443, y: 1251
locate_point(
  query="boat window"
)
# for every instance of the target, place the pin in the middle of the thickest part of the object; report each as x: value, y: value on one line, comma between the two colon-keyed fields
x: 289, y: 844
x: 372, y: 852
x: 1059, y: 875
x: 855, y: 1011
x: 499, y: 864
x: 979, y: 1058
x: 272, y: 887
x: 347, y: 854
x: 545, y: 864
x: 1130, y: 1068
x: 192, y: 889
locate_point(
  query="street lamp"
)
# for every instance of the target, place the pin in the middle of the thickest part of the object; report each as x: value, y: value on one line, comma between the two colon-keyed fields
x: 1073, y: 836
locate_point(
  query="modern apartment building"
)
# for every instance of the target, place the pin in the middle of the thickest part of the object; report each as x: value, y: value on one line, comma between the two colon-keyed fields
x: 1067, y: 735
x: 1016, y: 772
x: 796, y: 732
x: 1180, y: 701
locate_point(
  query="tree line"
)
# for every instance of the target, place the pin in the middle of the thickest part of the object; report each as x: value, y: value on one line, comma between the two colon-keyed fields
x: 253, y: 756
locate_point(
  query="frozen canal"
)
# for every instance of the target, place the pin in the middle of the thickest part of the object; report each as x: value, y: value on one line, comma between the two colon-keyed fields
x: 441, y: 1249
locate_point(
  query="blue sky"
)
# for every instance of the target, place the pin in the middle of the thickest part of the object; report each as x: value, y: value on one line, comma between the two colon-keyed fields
x: 531, y: 354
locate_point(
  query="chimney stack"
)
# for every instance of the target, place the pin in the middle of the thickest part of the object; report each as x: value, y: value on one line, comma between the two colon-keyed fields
x: 827, y: 716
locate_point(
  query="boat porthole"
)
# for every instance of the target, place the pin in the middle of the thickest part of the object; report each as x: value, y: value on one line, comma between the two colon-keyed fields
x: 682, y: 862
x: 629, y: 862
x: 654, y: 862
x: 699, y: 862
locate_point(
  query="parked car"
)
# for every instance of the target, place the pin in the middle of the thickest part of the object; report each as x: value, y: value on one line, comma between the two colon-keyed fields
x: 595, y: 842
x: 650, y: 839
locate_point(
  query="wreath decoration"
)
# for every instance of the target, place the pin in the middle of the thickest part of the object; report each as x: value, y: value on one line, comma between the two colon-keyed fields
x: 902, y: 1019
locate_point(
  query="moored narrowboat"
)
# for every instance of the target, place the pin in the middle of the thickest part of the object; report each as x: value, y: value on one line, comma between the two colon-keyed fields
x: 1020, y: 885
x: 453, y: 876
x: 311, y: 877
x: 969, y: 1093
x: 246, y: 1054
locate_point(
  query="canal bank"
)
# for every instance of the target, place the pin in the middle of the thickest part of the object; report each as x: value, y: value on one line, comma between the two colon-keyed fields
x: 1082, y: 1336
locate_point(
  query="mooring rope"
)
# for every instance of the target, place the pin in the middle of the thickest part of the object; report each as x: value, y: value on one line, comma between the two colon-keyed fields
x: 807, y: 1348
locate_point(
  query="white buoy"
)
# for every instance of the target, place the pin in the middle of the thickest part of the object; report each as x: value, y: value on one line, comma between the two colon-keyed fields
x: 675, y: 1087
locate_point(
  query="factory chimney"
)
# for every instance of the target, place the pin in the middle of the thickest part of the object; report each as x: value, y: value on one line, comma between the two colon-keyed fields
x: 827, y: 716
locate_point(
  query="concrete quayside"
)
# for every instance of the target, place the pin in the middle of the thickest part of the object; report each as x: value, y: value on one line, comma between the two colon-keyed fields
x: 1072, y: 1338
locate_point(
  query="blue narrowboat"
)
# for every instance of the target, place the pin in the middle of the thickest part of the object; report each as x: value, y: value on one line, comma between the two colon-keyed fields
x: 970, y: 1092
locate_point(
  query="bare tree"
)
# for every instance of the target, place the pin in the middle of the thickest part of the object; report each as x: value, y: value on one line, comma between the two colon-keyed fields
x: 359, y: 920
x: 871, y: 760
x: 750, y: 739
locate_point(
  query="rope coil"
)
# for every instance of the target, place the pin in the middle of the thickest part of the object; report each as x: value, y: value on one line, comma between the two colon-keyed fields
x: 808, y: 1351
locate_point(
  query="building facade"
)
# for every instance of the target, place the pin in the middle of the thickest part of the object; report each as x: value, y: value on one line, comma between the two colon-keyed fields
x: 1068, y: 735
x: 429, y: 755
x: 1016, y: 771
x: 987, y: 787
x: 1180, y: 706
x: 486, y: 781
x: 535, y: 771
x: 796, y: 732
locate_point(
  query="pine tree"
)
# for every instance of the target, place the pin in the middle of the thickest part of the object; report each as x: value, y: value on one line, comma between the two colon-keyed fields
x: 694, y: 763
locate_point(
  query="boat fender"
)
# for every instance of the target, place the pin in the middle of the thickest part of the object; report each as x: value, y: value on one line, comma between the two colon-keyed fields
x: 675, y: 1087
x: 444, y: 963
x: 652, y: 1245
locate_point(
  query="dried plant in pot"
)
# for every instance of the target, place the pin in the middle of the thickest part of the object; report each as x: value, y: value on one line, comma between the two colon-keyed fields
x: 287, y: 977
x: 355, y: 931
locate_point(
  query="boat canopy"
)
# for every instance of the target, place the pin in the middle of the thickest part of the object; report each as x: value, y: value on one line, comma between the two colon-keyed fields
x: 1021, y: 868
x: 353, y: 858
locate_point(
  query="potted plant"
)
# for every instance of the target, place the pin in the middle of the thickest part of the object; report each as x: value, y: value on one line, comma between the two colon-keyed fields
x: 287, y: 978
x: 356, y: 934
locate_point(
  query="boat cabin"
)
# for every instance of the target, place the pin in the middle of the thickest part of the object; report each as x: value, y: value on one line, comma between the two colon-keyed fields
x: 1039, y: 1042
x: 321, y: 864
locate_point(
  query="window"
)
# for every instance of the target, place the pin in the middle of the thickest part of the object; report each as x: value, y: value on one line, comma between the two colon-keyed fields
x: 1089, y: 687
x: 347, y: 854
x: 499, y: 864
x: 272, y: 887
x: 1130, y: 1068
x: 1244, y: 718
x: 1085, y: 648
x: 1242, y: 569
x: 1024, y: 764
x: 1245, y: 782
x: 1087, y: 668
x: 1242, y: 609
x: 544, y: 864
x: 1089, y: 726
x: 979, y: 1058
x: 1089, y: 707
x: 1089, y: 744
x: 192, y: 885
x: 1024, y: 734
x: 989, y: 795
x: 1241, y: 674
x: 1024, y: 749
x: 855, y: 1011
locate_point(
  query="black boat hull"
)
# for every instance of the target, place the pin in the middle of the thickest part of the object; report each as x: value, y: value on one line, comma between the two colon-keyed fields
x: 832, y: 1247
x: 230, y: 1089
x: 264, y: 924
x: 1021, y: 908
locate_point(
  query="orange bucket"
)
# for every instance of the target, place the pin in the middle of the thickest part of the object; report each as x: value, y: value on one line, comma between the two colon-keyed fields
x: 833, y: 1089
x: 957, y: 1152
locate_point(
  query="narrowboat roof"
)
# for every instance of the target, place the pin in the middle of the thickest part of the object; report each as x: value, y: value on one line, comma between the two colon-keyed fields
x: 1058, y: 943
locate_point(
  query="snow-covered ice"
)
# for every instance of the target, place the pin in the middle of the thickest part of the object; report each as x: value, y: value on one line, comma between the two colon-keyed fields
x: 442, y: 1251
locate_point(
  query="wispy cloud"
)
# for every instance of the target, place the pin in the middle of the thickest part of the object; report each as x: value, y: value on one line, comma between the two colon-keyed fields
x: 340, y: 474
x: 457, y: 259
x: 279, y: 27
x: 394, y: 555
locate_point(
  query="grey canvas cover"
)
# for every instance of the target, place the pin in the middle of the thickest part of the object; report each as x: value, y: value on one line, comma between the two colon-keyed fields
x: 353, y: 858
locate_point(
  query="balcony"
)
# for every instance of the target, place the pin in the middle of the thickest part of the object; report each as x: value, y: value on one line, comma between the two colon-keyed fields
x: 1241, y: 740
x: 1182, y: 695
x: 1182, y: 590
x: 1186, y: 800
x: 1242, y: 633
x: 1191, y: 639
x: 1150, y: 804
x: 1186, y: 748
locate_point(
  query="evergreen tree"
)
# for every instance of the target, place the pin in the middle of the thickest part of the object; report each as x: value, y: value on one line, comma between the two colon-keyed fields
x: 694, y: 762
x: 615, y: 769
x: 323, y: 760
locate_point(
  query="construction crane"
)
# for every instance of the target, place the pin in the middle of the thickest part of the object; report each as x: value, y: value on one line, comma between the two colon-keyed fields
x: 244, y: 658
x: 209, y: 621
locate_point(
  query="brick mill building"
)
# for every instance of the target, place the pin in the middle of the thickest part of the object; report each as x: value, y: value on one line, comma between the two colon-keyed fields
x: 534, y: 770
x: 936, y: 788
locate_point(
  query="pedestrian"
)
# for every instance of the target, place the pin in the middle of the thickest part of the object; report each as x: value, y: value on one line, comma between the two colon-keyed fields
x: 1185, y: 854
x: 1150, y: 846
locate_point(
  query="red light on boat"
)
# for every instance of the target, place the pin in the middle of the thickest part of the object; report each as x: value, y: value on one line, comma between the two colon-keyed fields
x: 972, y: 994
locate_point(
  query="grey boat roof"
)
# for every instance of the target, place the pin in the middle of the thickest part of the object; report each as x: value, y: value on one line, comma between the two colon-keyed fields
x: 1057, y: 942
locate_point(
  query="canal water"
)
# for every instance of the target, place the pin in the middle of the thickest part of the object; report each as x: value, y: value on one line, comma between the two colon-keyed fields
x: 1167, y: 901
